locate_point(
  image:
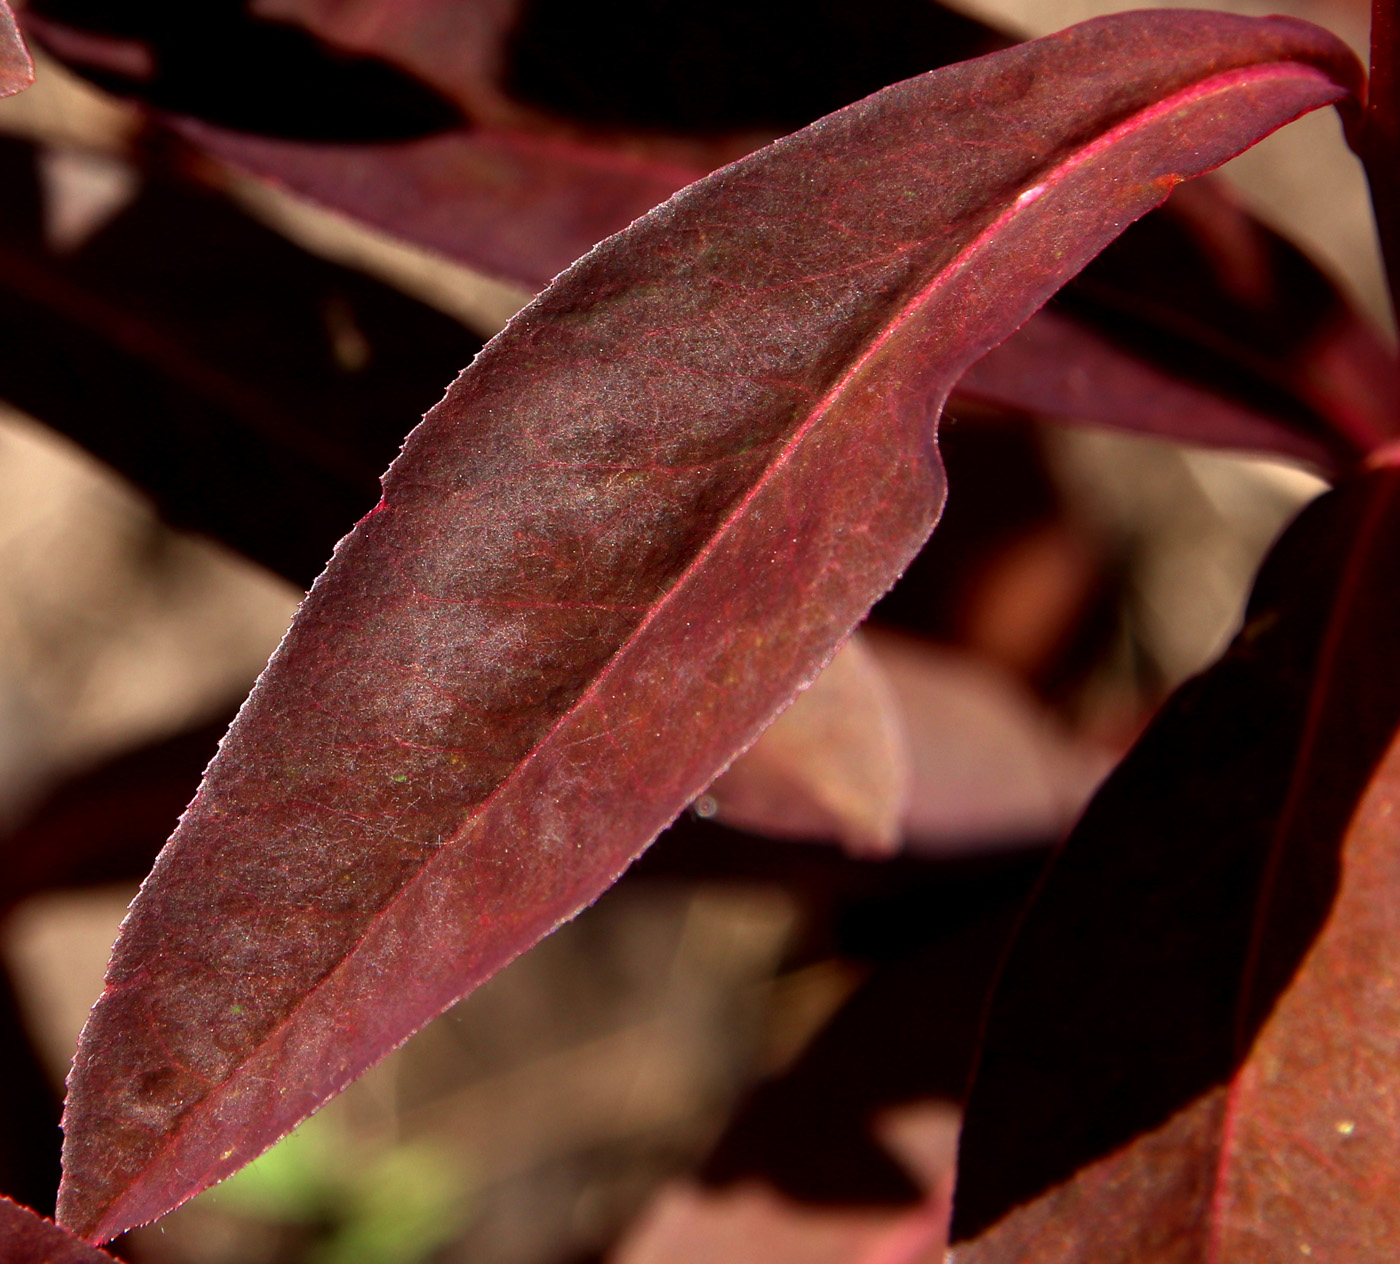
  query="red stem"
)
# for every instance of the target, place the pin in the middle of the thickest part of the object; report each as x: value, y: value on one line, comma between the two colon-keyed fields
x: 1380, y: 147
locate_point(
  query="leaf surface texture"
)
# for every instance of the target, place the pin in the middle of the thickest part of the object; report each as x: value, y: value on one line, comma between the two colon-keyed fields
x: 647, y: 514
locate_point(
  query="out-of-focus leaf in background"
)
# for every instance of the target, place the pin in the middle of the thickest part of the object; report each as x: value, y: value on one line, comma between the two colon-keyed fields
x: 1207, y: 1057
x: 254, y: 391
x: 28, y: 1239
x: 16, y: 68
x: 835, y: 764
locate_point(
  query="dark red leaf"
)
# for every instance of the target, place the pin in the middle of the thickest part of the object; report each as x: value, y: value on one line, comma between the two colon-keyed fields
x: 1286, y: 366
x: 1207, y: 292
x: 1058, y: 367
x: 106, y: 824
x: 1190, y: 1054
x: 580, y: 120
x: 514, y: 205
x: 627, y: 71
x: 641, y: 520
x: 1291, y: 368
x: 1218, y: 331
x: 577, y: 120
x: 16, y: 70
x: 29, y: 1239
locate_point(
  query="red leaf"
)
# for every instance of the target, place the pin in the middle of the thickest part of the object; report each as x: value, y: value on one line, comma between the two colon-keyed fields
x: 1234, y: 301
x: 16, y: 69
x: 576, y: 120
x: 1203, y: 325
x: 1058, y: 367
x: 640, y: 521
x: 509, y: 203
x: 1212, y: 294
x: 521, y: 209
x: 105, y: 824
x: 1200, y: 1063
x: 552, y: 161
x: 29, y: 1239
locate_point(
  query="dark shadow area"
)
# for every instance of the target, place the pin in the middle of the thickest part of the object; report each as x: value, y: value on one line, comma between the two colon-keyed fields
x: 908, y: 1034
x: 29, y: 1137
x: 254, y: 391
x: 217, y: 61
x: 107, y: 823
x: 1000, y: 488
x: 714, y: 66
x: 866, y: 910
x: 1182, y: 905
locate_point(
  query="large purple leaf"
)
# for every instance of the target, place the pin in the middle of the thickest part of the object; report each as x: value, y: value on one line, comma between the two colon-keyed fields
x: 29, y: 1239
x: 1191, y: 1051
x: 643, y: 518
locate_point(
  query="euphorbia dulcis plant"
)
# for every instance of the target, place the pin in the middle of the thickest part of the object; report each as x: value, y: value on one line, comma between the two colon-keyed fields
x: 647, y: 515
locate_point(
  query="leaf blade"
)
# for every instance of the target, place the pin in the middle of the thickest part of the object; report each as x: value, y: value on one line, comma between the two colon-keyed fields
x: 1197, y: 1097
x: 1201, y: 325
x: 462, y: 740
